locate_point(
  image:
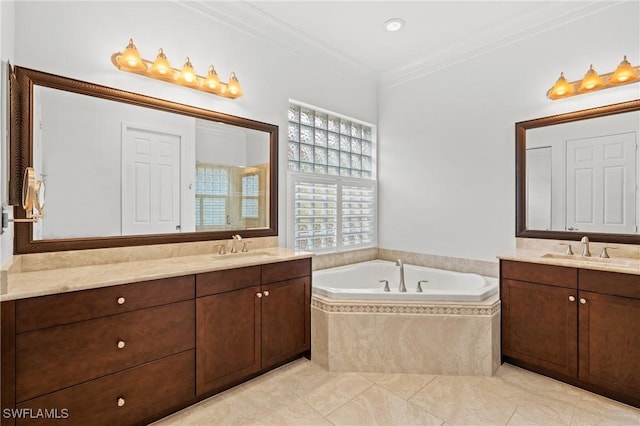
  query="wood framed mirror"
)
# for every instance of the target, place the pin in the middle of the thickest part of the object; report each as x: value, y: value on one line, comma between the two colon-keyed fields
x: 577, y: 174
x: 124, y: 169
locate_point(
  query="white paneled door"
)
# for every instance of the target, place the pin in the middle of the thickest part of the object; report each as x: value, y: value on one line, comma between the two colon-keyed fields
x: 601, y: 184
x: 150, y: 181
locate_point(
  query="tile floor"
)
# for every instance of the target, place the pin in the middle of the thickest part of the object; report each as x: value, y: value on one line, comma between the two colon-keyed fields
x: 303, y: 393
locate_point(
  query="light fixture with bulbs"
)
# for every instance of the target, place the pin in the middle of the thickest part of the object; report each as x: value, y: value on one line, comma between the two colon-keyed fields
x: 130, y: 61
x: 625, y: 73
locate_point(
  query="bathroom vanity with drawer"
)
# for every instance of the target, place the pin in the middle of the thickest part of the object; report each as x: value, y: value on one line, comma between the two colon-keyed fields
x: 575, y: 324
x: 134, y: 352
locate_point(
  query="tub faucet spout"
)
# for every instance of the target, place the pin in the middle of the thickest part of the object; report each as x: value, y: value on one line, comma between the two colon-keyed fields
x: 402, y: 288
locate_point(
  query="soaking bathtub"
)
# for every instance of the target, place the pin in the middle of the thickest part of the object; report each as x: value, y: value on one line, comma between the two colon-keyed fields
x: 451, y: 327
x: 362, y: 281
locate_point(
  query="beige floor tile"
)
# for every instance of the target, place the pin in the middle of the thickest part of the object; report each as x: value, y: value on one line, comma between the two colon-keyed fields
x: 535, y: 385
x: 460, y: 400
x: 305, y: 380
x: 195, y: 415
x: 336, y: 392
x: 540, y: 415
x: 536, y: 398
x: 403, y: 385
x: 303, y: 393
x: 239, y: 408
x: 296, y: 413
x: 377, y: 406
x: 595, y: 410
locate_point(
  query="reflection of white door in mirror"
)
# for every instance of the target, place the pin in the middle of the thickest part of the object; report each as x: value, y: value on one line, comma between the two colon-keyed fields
x: 151, y: 170
x: 601, y: 184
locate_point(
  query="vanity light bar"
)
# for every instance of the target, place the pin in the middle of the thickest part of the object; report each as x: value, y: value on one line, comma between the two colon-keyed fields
x: 591, y: 82
x: 160, y: 69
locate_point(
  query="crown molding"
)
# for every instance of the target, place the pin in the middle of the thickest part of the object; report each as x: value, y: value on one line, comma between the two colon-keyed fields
x: 251, y: 21
x: 545, y: 17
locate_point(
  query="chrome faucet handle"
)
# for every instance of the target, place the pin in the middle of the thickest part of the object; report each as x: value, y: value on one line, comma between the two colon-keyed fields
x: 585, y: 250
x: 386, y: 285
x: 221, y: 249
x: 235, y: 238
x: 244, y: 246
x: 604, y: 253
x: 419, y: 288
x: 568, y: 251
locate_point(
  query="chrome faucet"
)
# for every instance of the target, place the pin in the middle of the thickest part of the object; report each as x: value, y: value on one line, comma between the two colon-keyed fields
x: 236, y: 238
x: 402, y: 288
x: 585, y: 250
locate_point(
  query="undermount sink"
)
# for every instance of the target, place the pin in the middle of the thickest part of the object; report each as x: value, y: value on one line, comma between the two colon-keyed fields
x: 594, y: 260
x: 244, y: 255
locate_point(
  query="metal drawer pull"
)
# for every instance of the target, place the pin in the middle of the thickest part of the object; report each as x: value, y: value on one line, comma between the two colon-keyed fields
x: 121, y: 300
x: 583, y: 300
x: 572, y: 298
x: 259, y: 295
x: 120, y: 402
x: 266, y: 292
x: 120, y: 344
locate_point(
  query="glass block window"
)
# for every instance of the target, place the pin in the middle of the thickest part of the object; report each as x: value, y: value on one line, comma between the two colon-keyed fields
x: 212, y: 189
x: 333, y: 188
x: 250, y: 191
x: 332, y: 214
x: 329, y: 144
x: 358, y: 215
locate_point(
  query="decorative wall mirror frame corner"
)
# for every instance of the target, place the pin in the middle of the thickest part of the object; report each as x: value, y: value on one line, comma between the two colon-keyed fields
x: 252, y: 144
x: 559, y: 129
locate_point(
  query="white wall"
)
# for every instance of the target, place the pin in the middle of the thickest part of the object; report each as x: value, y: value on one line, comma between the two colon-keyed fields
x: 77, y: 39
x: 447, y: 140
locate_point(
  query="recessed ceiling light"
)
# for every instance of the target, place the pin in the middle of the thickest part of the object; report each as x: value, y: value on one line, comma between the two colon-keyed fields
x: 394, y: 24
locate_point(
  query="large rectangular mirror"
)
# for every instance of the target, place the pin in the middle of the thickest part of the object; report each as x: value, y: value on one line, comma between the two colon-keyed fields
x: 125, y: 169
x: 578, y: 174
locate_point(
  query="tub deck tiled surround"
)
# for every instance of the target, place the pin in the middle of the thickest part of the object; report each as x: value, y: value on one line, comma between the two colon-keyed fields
x: 406, y: 337
x: 303, y: 393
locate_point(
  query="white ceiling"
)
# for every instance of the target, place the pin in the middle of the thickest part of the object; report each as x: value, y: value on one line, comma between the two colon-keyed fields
x: 437, y: 33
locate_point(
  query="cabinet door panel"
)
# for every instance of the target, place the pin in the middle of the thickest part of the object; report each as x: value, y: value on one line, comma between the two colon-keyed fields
x: 285, y: 320
x: 609, y: 342
x: 227, y: 338
x: 539, y: 325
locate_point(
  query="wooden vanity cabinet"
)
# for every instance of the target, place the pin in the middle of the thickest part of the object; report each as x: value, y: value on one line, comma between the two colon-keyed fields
x: 114, y: 355
x: 249, y: 320
x: 228, y: 312
x: 132, y: 353
x: 286, y: 311
x: 609, y: 325
x: 576, y: 325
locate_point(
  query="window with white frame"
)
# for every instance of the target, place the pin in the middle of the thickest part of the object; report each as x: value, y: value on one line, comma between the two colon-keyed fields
x: 333, y: 188
x: 212, y: 191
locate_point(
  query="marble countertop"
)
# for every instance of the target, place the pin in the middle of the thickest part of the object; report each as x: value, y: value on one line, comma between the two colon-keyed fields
x: 612, y: 264
x: 21, y: 285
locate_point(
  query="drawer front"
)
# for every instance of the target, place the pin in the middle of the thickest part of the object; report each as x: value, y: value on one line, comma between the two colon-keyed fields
x: 58, y: 309
x: 51, y: 359
x: 227, y: 280
x: 611, y: 283
x: 282, y: 271
x: 558, y: 276
x: 125, y: 398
